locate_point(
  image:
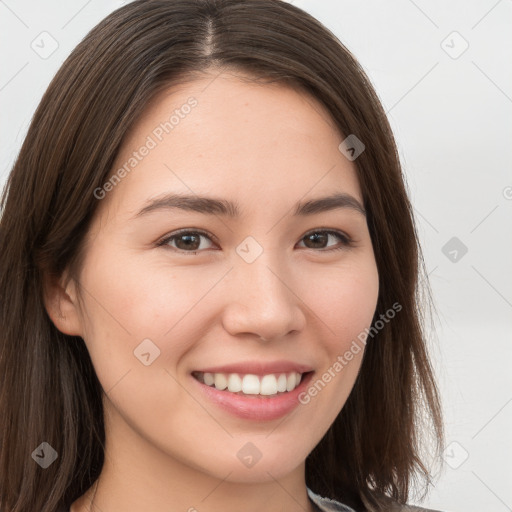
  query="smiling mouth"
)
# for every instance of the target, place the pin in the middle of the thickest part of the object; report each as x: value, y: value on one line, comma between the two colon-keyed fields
x: 272, y: 384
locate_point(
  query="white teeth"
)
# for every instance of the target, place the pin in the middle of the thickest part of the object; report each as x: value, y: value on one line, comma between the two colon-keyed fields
x: 221, y: 382
x: 268, y: 385
x: 250, y: 384
x: 234, y: 383
x: 290, y: 381
x: 281, y: 382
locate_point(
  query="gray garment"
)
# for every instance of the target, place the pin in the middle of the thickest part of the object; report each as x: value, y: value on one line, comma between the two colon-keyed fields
x: 328, y: 505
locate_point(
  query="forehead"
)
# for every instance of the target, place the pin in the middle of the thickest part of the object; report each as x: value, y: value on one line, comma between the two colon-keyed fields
x: 225, y: 135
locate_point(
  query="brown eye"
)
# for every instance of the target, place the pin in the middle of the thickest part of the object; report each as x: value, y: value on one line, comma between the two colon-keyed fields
x: 187, y: 241
x: 320, y: 239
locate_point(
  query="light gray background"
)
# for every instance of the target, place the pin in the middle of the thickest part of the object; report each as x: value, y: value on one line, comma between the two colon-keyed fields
x: 450, y: 110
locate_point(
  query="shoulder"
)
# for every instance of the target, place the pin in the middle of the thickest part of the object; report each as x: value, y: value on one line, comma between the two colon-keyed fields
x: 328, y: 505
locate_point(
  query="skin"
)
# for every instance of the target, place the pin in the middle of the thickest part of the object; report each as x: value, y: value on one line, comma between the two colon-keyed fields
x: 167, y: 447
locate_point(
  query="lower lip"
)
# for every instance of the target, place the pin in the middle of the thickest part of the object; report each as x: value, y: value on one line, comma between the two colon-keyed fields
x: 255, y: 407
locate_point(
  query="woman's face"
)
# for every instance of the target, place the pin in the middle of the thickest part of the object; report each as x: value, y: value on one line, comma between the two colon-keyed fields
x: 179, y: 289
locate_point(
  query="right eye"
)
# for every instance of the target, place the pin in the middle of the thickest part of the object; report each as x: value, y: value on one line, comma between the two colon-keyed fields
x: 186, y: 241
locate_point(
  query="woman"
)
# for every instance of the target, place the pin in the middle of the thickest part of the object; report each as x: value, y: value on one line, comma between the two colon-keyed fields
x: 209, y: 276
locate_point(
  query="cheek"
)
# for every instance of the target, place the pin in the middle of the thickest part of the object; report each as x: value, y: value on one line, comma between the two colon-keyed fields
x: 344, y: 299
x: 128, y: 300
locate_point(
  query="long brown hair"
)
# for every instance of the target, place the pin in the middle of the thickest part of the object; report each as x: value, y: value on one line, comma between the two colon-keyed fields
x: 49, y: 390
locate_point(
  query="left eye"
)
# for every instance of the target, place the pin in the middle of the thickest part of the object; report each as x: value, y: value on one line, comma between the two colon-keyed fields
x: 190, y: 241
x: 320, y: 238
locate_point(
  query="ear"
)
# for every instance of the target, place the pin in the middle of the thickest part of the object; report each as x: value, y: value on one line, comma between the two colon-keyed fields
x: 60, y: 300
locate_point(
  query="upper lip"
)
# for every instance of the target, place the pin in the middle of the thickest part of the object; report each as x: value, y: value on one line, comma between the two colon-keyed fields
x: 258, y: 368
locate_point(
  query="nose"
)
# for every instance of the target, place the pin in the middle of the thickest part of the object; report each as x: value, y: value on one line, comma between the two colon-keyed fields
x: 259, y: 299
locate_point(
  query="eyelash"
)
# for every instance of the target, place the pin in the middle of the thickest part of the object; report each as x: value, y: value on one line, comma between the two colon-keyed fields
x: 346, y: 241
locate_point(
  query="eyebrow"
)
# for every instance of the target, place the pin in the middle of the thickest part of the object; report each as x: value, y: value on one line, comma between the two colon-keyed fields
x: 214, y: 206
